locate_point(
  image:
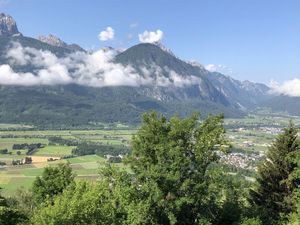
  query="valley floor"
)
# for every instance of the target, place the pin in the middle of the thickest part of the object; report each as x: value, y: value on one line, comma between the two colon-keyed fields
x: 249, y: 137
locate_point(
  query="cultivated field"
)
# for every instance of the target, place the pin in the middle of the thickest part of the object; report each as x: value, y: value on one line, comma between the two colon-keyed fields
x: 13, y: 177
x: 250, y: 134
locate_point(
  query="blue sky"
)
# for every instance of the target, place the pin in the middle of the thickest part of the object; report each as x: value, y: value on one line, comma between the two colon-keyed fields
x: 258, y: 40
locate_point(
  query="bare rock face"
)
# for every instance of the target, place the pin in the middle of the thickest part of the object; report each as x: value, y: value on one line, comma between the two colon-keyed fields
x: 52, y: 40
x: 8, y: 26
x: 56, y: 41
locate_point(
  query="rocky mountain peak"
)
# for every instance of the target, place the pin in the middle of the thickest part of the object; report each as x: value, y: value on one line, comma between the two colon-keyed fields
x: 8, y: 26
x: 164, y: 48
x: 57, y: 42
x: 52, y: 40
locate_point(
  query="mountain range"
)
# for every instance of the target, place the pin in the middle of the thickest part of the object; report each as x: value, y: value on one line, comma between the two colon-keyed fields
x: 157, y: 80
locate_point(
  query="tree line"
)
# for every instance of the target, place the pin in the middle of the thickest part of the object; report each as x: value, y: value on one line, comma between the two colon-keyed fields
x: 100, y: 149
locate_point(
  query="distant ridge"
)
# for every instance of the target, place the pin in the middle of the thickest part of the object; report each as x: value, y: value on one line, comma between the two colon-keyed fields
x: 190, y: 87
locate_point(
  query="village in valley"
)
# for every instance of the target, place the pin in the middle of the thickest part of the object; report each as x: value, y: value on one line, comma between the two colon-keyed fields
x: 251, y: 137
x: 25, y: 151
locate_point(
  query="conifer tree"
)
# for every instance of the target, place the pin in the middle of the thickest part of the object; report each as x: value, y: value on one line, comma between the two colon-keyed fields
x: 275, y: 187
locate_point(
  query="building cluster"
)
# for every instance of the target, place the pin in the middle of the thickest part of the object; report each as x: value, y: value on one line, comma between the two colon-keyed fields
x: 114, y: 159
x: 241, y: 160
x: 271, y: 130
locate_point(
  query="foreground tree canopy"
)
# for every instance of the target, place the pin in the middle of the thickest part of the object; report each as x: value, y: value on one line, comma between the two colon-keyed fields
x: 174, y: 157
x: 278, y: 178
x: 174, y: 178
x: 52, y: 182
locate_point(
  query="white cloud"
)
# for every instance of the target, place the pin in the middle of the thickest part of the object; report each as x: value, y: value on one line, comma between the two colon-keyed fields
x: 211, y: 67
x: 289, y: 87
x: 50, y: 76
x: 107, y: 34
x: 9, y: 77
x: 219, y: 68
x: 155, y: 76
x: 151, y: 36
x: 95, y: 69
x: 180, y: 81
x: 17, y: 56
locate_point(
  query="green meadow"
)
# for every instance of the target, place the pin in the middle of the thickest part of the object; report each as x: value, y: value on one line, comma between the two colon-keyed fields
x: 14, y: 177
x: 250, y: 129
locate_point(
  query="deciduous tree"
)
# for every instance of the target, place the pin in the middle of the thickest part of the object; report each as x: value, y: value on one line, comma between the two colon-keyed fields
x: 52, y: 182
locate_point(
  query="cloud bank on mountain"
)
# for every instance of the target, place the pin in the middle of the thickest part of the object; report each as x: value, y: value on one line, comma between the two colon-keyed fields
x: 290, y: 88
x: 95, y: 69
x: 219, y: 68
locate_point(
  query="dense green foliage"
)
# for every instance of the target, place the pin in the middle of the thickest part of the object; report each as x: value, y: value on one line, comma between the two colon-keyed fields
x: 106, y: 202
x: 31, y: 148
x: 100, y: 149
x: 57, y: 140
x: 278, y: 178
x: 10, y: 215
x: 3, y: 151
x: 52, y: 182
x: 173, y: 181
x: 175, y: 156
x: 60, y: 107
x: 175, y: 178
x: 28, y: 146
